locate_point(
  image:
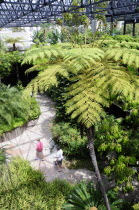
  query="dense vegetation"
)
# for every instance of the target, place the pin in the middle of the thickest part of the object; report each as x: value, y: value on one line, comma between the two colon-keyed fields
x: 88, y: 69
x: 93, y: 80
x: 14, y: 109
x: 23, y: 187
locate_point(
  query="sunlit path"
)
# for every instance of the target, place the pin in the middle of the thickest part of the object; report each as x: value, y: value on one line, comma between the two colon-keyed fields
x: 24, y: 145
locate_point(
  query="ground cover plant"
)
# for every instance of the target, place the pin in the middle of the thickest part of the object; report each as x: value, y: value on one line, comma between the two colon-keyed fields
x: 23, y: 187
x: 14, y: 109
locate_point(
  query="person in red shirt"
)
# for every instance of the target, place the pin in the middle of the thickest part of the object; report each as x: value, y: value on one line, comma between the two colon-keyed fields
x: 39, y: 150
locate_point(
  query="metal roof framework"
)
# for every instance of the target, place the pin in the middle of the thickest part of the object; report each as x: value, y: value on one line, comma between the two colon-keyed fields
x: 27, y: 13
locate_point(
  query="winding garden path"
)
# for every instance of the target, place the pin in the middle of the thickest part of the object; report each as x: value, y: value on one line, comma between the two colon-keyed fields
x: 24, y: 146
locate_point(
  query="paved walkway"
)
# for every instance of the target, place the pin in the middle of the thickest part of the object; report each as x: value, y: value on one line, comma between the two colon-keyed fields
x: 24, y: 146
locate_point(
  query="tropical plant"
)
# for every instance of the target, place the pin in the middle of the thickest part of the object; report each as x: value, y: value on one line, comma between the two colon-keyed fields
x: 38, y: 37
x: 84, y: 196
x: 9, y: 62
x: 92, y: 69
x: 54, y: 36
x: 2, y: 155
x: 14, y: 110
x: 13, y: 41
x: 68, y: 137
x: 114, y: 141
x: 136, y: 206
x: 17, y: 29
x: 88, y: 197
x: 19, y: 178
x: 2, y: 46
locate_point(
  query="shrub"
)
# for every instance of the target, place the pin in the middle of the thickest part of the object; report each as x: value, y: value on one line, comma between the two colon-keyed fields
x: 86, y: 196
x: 15, y: 111
x: 136, y: 206
x: 126, y: 38
x: 34, y: 111
x: 70, y: 140
x: 23, y: 187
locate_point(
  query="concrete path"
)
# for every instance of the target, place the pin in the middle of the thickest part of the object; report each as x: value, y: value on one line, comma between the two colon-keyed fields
x: 24, y: 146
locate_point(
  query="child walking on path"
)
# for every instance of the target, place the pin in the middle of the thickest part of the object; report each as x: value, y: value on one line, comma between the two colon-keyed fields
x: 59, y: 158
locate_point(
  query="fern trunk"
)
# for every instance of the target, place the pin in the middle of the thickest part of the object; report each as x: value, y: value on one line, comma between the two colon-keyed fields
x: 95, y: 164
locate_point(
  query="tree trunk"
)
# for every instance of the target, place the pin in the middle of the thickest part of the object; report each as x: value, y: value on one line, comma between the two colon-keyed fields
x: 97, y: 172
x: 85, y: 34
x: 17, y: 72
x: 14, y: 48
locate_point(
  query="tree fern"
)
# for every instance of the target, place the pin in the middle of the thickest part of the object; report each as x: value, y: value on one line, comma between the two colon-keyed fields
x: 129, y: 45
x: 95, y: 78
x: 129, y: 57
x: 87, y: 98
x: 44, y: 52
x: 46, y: 79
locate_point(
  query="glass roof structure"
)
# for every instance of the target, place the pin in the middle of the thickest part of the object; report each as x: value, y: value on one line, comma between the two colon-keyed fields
x: 24, y: 13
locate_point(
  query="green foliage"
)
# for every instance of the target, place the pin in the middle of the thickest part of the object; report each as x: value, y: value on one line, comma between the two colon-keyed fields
x: 38, y: 37
x: 129, y: 57
x: 70, y: 140
x: 113, y: 140
x: 86, y: 196
x: 7, y: 60
x: 54, y: 36
x: 129, y: 45
x: 23, y: 187
x: 2, y: 155
x: 15, y: 110
x: 74, y: 19
x: 107, y: 43
x: 2, y: 46
x: 126, y: 38
x: 93, y: 69
x: 58, y: 95
x: 136, y: 206
x: 13, y: 41
x: 34, y: 110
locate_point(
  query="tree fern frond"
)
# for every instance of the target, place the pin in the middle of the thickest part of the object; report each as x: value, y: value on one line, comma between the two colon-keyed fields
x: 43, y: 52
x: 129, y: 57
x: 33, y: 68
x: 46, y: 79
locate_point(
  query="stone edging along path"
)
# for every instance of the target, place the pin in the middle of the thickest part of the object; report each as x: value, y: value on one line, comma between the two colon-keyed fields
x: 22, y: 141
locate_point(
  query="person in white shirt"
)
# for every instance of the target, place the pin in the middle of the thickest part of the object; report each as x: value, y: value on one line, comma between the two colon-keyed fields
x: 59, y: 158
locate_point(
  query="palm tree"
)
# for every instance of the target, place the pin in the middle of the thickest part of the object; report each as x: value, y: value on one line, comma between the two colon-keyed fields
x: 13, y: 41
x: 86, y: 99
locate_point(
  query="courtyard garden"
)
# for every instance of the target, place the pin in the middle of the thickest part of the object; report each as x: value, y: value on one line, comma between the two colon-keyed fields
x: 77, y: 89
